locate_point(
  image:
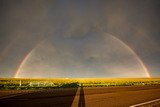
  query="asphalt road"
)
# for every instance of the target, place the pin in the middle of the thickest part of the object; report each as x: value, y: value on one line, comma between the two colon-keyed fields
x: 84, y: 97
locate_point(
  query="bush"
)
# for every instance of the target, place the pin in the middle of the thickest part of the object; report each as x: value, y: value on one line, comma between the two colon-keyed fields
x: 70, y: 85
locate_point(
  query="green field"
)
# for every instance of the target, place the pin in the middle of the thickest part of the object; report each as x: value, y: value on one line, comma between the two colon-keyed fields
x: 48, y: 83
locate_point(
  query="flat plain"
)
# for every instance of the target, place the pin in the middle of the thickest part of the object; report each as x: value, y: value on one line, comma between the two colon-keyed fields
x: 83, y: 95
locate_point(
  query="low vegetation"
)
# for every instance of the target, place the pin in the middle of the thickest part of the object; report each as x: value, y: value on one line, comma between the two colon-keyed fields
x: 30, y: 84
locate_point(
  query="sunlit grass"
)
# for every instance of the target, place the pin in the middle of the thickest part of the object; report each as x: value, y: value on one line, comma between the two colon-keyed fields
x: 48, y: 83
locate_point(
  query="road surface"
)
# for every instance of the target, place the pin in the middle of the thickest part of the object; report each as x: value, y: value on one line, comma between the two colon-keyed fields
x: 123, y: 96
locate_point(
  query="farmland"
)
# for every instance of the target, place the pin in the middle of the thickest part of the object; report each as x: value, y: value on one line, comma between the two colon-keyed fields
x: 49, y: 83
x: 78, y: 92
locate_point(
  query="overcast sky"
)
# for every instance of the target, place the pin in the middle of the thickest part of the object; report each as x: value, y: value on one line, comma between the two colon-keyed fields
x: 79, y: 38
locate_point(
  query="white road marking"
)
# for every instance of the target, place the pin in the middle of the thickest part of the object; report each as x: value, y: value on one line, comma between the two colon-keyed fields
x: 148, y: 102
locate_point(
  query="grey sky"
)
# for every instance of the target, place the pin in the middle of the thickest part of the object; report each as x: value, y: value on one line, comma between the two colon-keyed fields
x: 71, y: 38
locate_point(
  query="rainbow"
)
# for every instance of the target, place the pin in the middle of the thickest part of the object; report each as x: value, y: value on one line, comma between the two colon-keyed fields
x: 23, y: 62
x: 136, y: 56
x: 115, y: 38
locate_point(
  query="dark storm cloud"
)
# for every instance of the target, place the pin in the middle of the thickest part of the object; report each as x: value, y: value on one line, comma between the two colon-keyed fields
x: 26, y: 23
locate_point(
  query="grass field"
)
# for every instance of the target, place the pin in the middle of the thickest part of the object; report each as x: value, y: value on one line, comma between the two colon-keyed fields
x: 48, y: 83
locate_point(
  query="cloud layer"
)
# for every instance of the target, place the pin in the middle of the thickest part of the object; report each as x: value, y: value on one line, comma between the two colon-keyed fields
x: 71, y: 26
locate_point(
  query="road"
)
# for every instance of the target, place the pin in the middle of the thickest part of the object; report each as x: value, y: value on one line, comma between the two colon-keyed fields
x: 123, y: 96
